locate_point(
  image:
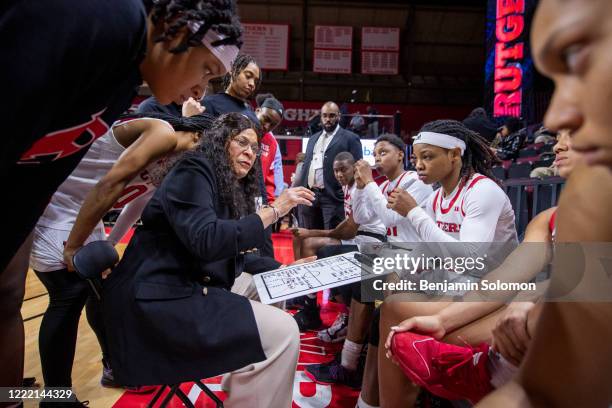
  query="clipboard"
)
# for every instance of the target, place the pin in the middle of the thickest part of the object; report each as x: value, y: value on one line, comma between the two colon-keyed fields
x: 298, y: 280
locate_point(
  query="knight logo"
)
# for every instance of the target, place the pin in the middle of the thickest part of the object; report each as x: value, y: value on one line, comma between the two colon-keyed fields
x: 63, y: 143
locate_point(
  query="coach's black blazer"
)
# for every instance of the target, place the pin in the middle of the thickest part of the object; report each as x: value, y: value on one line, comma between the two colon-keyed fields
x: 343, y: 141
x: 168, y: 311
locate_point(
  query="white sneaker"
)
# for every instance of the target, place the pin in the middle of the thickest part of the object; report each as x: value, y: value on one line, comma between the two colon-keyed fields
x: 337, y: 331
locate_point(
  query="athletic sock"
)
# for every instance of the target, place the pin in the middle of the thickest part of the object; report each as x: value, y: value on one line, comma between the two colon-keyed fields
x: 500, y: 369
x: 350, y: 354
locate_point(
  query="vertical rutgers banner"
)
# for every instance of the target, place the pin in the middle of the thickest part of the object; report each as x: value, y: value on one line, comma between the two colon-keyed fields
x: 509, y: 71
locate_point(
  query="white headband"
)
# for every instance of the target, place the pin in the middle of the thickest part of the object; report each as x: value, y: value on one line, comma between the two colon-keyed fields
x: 440, y: 140
x: 225, y: 53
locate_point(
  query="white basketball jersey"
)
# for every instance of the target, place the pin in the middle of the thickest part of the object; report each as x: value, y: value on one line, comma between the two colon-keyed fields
x: 467, y: 200
x: 57, y: 221
x: 409, y: 181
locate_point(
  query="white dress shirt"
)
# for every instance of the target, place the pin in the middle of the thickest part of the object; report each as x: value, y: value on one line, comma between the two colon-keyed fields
x: 315, y: 171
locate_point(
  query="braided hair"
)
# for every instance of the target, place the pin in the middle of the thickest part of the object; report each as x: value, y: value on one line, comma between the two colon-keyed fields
x: 477, y: 157
x: 238, y: 194
x: 239, y: 64
x: 218, y: 15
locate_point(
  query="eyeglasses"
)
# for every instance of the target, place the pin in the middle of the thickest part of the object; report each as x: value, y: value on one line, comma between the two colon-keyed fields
x: 245, y: 144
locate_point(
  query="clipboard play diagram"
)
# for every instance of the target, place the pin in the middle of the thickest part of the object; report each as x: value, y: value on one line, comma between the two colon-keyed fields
x: 297, y: 280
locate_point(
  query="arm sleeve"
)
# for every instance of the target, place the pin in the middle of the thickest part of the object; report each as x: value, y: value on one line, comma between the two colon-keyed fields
x: 189, y: 204
x: 377, y: 203
x: 279, y: 177
x: 128, y: 217
x: 361, y: 211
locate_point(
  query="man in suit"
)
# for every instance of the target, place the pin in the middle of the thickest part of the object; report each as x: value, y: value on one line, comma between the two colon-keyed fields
x: 318, y: 173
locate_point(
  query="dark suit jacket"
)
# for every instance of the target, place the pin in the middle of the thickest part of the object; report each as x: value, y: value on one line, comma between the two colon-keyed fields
x: 343, y: 141
x: 168, y: 311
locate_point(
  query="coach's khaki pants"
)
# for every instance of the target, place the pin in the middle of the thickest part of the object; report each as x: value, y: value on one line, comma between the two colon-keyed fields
x: 245, y: 286
x: 269, y: 383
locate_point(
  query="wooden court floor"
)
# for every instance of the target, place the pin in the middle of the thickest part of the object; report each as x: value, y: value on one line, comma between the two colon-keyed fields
x: 87, y: 368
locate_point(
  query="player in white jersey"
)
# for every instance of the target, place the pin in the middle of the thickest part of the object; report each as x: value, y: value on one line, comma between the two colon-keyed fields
x: 369, y: 200
x: 507, y: 327
x: 469, y: 207
x: 348, y: 232
x: 389, y: 161
x: 122, y: 165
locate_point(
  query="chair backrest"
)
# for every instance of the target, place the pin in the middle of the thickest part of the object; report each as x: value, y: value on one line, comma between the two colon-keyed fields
x: 527, y: 152
x: 543, y: 163
x: 519, y: 170
x: 529, y: 159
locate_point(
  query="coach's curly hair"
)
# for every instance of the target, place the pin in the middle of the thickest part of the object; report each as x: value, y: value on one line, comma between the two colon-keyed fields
x: 199, y: 16
x: 477, y: 157
x: 238, y: 194
x: 239, y: 64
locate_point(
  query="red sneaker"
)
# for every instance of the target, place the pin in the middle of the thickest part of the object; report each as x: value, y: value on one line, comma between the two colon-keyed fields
x: 448, y: 371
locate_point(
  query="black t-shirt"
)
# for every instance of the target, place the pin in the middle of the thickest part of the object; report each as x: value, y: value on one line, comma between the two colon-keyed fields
x: 151, y: 104
x: 73, y: 69
x: 221, y: 103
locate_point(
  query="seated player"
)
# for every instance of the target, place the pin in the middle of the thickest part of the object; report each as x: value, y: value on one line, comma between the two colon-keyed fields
x: 348, y: 233
x: 469, y: 208
x: 508, y: 328
x: 371, y: 200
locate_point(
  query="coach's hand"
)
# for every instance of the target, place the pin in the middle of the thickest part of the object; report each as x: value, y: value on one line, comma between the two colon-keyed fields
x: 363, y: 174
x: 401, y: 202
x: 292, y: 197
x: 427, y: 325
x: 301, y: 261
x: 510, y: 335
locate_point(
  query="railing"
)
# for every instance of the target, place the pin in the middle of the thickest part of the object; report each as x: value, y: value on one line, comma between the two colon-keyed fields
x: 529, y: 197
